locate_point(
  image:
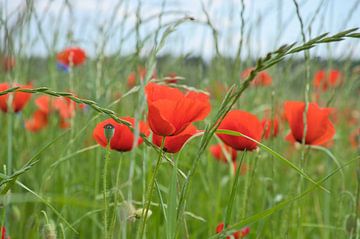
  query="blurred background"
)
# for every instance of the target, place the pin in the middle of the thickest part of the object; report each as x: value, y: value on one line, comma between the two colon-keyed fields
x: 112, y: 27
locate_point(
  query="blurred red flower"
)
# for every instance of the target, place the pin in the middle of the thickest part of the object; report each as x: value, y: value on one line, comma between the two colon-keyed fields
x: 37, y: 122
x: 218, y: 153
x: 319, y: 128
x: 71, y: 56
x: 261, y: 79
x: 141, y: 73
x: 19, y: 99
x: 236, y: 235
x: 173, y: 144
x: 8, y: 63
x: 244, y: 123
x: 270, y: 128
x: 323, y: 80
x: 123, y: 138
x: 46, y: 105
x: 170, y: 111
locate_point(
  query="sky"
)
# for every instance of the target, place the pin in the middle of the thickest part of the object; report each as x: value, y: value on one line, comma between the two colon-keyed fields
x: 108, y: 26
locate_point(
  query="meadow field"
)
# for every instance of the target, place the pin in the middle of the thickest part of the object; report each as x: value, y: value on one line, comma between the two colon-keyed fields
x: 180, y: 119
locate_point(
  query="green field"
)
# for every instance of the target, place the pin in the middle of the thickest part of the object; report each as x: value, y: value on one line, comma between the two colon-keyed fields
x: 57, y: 181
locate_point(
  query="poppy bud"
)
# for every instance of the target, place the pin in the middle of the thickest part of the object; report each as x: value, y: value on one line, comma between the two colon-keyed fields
x: 109, y: 131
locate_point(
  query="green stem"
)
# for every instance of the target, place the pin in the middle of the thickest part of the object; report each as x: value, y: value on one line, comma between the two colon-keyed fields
x: 106, y: 209
x: 116, y: 198
x: 151, y: 188
x: 9, y: 161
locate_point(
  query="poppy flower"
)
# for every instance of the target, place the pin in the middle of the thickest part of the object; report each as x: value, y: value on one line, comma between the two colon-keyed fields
x: 218, y: 153
x: 261, y: 79
x: 43, y: 103
x: 323, y: 80
x: 319, y: 128
x: 270, y: 128
x: 45, y: 106
x: 141, y: 73
x: 8, y: 63
x: 236, y: 235
x: 173, y: 144
x: 123, y: 138
x: 66, y: 109
x: 38, y: 121
x: 244, y: 123
x: 170, y: 111
x: 72, y: 56
x: 20, y: 99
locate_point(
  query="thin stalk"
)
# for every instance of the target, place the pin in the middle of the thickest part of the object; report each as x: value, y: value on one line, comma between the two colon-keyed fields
x: 9, y: 159
x: 106, y: 208
x: 249, y: 179
x: 307, y: 90
x: 116, y: 198
x: 151, y: 188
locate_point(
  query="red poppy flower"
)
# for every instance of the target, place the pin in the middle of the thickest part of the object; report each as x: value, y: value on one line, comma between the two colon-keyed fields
x: 218, y: 153
x: 45, y: 106
x: 71, y: 56
x: 244, y: 123
x: 261, y: 79
x: 173, y: 144
x: 323, y: 80
x: 236, y: 235
x: 123, y: 138
x: 171, y: 111
x: 270, y: 128
x: 38, y: 121
x: 131, y: 82
x: 319, y: 128
x: 8, y: 63
x: 43, y: 103
x: 65, y: 107
x: 141, y: 73
x: 20, y: 99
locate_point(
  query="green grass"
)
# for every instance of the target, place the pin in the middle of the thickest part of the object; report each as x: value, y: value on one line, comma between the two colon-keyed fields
x: 56, y: 185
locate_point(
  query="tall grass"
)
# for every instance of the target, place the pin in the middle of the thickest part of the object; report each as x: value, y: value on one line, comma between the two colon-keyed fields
x: 60, y: 184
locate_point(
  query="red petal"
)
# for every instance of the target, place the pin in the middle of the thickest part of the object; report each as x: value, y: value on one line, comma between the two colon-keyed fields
x: 4, y: 98
x: 21, y: 98
x: 245, y: 123
x: 173, y: 144
x: 159, y: 117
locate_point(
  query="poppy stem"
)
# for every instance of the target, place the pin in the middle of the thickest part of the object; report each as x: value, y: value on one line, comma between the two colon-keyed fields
x: 9, y: 162
x: 116, y: 198
x: 151, y: 187
x: 106, y: 209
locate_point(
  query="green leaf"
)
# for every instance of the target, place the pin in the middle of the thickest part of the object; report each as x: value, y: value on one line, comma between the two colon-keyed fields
x: 172, y: 205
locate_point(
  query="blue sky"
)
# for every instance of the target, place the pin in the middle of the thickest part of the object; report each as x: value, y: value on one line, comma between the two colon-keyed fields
x: 268, y: 24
